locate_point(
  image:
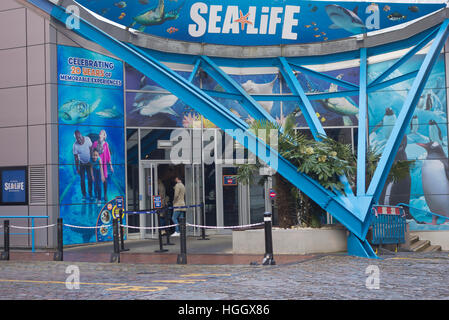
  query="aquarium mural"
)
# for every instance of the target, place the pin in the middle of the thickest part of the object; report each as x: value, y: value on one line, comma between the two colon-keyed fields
x: 271, y: 22
x: 91, y: 142
x: 426, y: 188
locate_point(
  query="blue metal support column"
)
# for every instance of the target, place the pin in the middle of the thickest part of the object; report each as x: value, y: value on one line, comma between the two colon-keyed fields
x: 404, y: 118
x: 252, y: 107
x: 362, y: 136
x: 195, y: 70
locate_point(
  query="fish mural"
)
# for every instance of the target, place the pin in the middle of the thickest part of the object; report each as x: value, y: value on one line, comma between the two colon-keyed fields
x: 76, y: 111
x: 155, y: 16
x: 112, y: 113
x: 345, y: 19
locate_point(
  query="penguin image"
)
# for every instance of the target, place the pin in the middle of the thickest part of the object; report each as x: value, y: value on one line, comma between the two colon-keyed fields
x: 429, y: 103
x: 435, y: 132
x: 435, y: 179
x: 414, y: 124
x: 398, y: 192
x: 387, y: 122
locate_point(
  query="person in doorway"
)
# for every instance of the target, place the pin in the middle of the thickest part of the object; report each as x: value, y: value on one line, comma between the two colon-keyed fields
x: 178, y: 204
x: 164, y: 214
x: 97, y: 173
x: 81, y: 152
x: 105, y: 155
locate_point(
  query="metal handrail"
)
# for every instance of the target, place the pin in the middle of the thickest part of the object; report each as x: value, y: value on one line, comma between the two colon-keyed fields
x: 432, y: 213
x: 32, y: 227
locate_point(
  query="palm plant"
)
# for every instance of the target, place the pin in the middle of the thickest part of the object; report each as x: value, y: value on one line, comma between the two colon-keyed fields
x: 325, y: 161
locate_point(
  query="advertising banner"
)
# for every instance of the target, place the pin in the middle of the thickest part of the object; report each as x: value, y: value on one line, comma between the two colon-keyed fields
x: 249, y: 23
x: 14, y: 186
x: 91, y: 141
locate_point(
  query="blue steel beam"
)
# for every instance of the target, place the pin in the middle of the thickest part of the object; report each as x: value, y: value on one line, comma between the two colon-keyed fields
x: 323, y: 76
x: 218, y: 114
x: 362, y: 137
x: 404, y: 118
x: 404, y: 58
x: 253, y: 108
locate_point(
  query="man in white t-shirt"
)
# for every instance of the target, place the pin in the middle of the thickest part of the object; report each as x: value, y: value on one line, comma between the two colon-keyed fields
x: 81, y: 152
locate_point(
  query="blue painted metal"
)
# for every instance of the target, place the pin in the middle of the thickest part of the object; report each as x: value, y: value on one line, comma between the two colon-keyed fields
x: 426, y: 211
x: 404, y: 118
x: 359, y: 248
x: 363, y: 121
x: 323, y: 76
x: 32, y: 233
x: 404, y: 58
x: 306, y: 107
x: 195, y: 70
x: 226, y: 82
x: 388, y: 229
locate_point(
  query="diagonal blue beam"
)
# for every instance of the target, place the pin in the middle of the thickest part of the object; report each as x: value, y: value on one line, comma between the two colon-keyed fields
x: 323, y: 76
x: 362, y: 137
x: 308, y: 112
x: 404, y: 58
x: 252, y: 107
x: 391, y: 82
x: 195, y: 70
x: 306, y: 107
x: 403, y: 120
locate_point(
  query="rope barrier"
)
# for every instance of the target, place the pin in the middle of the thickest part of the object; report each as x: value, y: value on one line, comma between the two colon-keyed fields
x: 82, y: 227
x: 162, y: 209
x: 231, y: 227
x: 149, y: 228
x: 32, y: 228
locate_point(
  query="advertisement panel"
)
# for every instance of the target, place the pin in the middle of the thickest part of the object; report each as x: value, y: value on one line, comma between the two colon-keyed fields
x: 271, y: 22
x: 91, y: 141
x: 14, y: 186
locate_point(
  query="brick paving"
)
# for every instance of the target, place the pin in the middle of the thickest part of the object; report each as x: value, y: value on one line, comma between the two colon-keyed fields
x: 402, y: 276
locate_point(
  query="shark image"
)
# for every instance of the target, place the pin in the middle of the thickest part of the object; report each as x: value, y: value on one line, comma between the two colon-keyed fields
x: 261, y: 88
x: 345, y: 19
x: 149, y: 104
x: 341, y: 105
x: 76, y: 111
x: 155, y: 16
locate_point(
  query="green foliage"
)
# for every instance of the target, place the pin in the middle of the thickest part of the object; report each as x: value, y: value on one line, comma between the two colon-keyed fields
x: 325, y: 161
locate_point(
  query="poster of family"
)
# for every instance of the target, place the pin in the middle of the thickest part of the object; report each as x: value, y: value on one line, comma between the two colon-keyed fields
x: 91, y: 139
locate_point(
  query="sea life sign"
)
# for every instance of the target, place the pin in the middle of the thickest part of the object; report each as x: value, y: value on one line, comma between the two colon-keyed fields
x: 270, y: 22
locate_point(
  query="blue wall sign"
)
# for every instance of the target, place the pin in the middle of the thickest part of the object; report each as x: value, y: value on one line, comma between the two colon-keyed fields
x: 157, y: 202
x: 14, y: 186
x: 244, y: 22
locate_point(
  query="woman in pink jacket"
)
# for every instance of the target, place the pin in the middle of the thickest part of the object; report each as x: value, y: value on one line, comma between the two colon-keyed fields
x: 105, y: 155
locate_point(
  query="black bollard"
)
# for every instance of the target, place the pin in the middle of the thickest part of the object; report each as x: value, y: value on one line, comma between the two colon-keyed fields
x: 167, y: 233
x: 203, y: 221
x: 161, y: 246
x: 5, y: 253
x: 182, y: 257
x: 59, y: 255
x: 122, y: 232
x: 268, y: 259
x: 115, y: 256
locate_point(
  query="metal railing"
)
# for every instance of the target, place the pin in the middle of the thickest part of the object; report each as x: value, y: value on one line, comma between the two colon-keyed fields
x: 32, y: 227
x: 388, y: 228
x: 422, y: 210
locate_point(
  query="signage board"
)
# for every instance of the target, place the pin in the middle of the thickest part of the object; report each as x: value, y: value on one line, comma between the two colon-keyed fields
x: 14, y: 186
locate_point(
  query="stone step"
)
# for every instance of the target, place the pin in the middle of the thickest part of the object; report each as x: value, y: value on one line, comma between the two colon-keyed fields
x: 432, y: 248
x: 420, y: 245
x: 413, y: 238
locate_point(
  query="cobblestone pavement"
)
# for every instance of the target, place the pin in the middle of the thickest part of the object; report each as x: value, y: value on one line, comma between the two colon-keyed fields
x: 403, y: 276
